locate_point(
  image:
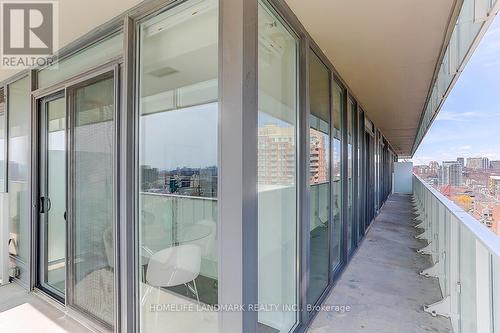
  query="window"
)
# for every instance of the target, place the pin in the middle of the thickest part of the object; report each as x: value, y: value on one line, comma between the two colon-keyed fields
x: 337, y: 97
x: 351, y: 109
x: 88, y: 58
x: 319, y: 178
x: 178, y: 167
x: 19, y: 170
x: 277, y: 176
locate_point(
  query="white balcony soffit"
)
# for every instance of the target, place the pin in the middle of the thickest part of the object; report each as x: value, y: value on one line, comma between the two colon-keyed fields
x: 386, y: 51
x: 77, y: 18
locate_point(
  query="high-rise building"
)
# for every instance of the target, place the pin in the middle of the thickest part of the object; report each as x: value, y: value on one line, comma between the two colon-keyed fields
x: 433, y: 168
x: 276, y: 154
x: 461, y: 160
x: 494, y: 185
x: 495, y: 165
x: 485, y: 163
x: 474, y: 163
x: 450, y: 173
x: 318, y: 164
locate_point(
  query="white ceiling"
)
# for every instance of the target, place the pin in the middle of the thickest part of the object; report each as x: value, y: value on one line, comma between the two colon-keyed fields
x: 386, y: 51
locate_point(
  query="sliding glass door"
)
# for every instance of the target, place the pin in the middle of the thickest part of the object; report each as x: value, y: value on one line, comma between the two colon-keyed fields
x: 92, y: 196
x: 76, y: 195
x: 52, y: 204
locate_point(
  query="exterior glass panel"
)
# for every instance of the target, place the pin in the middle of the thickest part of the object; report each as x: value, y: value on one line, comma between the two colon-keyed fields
x: 319, y: 179
x: 351, y: 108
x: 178, y: 167
x: 83, y: 60
x: 337, y: 98
x: 277, y: 172
x: 19, y: 177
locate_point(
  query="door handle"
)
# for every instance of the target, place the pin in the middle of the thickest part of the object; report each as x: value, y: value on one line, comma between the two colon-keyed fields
x: 45, y: 205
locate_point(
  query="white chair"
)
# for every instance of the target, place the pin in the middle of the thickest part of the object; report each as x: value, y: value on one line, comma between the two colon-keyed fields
x: 174, y: 266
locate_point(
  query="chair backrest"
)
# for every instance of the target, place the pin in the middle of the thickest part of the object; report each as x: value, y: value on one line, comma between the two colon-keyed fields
x: 174, y: 266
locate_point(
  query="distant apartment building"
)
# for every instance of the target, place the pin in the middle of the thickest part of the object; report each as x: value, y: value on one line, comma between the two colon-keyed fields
x: 461, y: 161
x: 422, y: 170
x: 433, y: 167
x: 276, y: 155
x: 450, y: 173
x: 474, y: 163
x: 485, y: 163
x: 494, y: 185
x: 318, y: 160
x: 478, y: 163
x: 495, y: 165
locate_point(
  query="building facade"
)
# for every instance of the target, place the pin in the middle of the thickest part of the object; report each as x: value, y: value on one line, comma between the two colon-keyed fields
x: 219, y: 132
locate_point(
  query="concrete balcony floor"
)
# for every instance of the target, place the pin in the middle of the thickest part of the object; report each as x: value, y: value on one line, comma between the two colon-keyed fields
x: 382, y: 285
x: 23, y: 312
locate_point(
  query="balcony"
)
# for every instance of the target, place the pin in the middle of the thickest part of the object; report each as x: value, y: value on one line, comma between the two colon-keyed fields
x: 424, y: 265
x: 433, y: 268
x: 275, y: 165
x: 382, y: 285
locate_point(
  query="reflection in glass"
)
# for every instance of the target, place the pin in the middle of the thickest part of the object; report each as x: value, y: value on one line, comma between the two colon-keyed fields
x: 337, y: 98
x: 277, y: 218
x: 93, y: 200
x: 350, y: 186
x: 19, y: 120
x: 319, y: 179
x: 178, y: 171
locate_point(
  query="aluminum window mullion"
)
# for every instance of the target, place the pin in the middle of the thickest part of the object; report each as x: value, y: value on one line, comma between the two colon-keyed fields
x: 303, y: 190
x: 237, y: 141
x: 127, y: 245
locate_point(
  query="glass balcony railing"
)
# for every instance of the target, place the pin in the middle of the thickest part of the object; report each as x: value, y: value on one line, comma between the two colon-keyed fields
x: 466, y: 257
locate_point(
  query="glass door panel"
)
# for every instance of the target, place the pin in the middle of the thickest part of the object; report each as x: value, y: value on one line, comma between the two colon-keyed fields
x: 53, y: 195
x: 319, y: 178
x: 336, y: 238
x: 92, y: 198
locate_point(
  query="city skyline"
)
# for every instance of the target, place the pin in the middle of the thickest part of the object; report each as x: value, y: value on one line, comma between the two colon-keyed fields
x: 465, y: 126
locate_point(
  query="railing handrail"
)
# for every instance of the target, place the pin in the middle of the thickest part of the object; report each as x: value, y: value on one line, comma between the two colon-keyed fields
x: 479, y: 230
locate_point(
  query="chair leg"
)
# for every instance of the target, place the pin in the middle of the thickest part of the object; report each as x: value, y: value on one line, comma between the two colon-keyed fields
x: 146, y: 294
x: 193, y: 289
x: 196, y: 291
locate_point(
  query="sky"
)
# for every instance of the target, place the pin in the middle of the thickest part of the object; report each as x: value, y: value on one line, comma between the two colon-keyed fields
x: 468, y: 124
